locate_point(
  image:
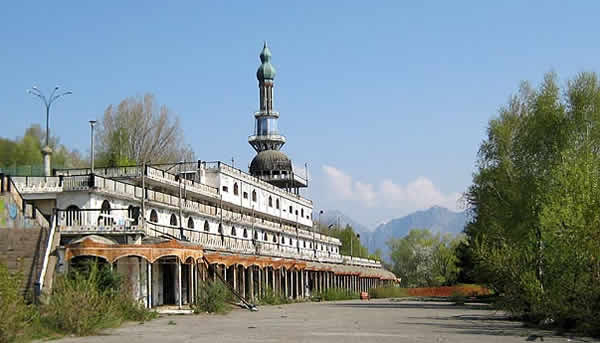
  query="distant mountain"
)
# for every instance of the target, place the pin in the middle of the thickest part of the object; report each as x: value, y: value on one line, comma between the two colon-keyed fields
x: 331, y: 217
x: 436, y: 219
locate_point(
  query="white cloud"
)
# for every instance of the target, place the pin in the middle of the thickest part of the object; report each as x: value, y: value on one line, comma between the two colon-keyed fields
x: 415, y: 195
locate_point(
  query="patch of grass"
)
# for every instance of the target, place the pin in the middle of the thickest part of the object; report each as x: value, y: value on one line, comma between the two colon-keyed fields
x: 272, y: 298
x: 212, y: 297
x: 15, y: 314
x: 334, y: 294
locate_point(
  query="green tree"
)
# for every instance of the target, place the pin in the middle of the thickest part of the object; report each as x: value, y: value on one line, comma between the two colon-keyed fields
x: 425, y: 259
x: 26, y: 151
x: 349, y: 239
x: 534, y: 201
x: 138, y: 130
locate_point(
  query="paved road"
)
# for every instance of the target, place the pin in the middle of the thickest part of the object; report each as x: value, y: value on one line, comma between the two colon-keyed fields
x: 348, y: 322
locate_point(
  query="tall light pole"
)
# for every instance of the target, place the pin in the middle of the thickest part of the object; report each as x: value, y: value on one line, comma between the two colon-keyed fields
x: 46, y: 150
x: 48, y: 103
x: 92, y: 123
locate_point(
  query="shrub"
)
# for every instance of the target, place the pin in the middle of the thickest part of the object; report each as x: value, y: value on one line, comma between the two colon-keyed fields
x: 333, y: 294
x: 84, y: 302
x: 388, y: 292
x: 212, y: 297
x: 272, y: 298
x: 14, y: 312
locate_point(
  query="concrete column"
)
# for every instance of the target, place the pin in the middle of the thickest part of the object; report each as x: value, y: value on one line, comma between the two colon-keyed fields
x: 234, y: 276
x: 285, y: 283
x: 243, y: 288
x: 192, y: 282
x: 47, y: 155
x: 273, y: 281
x: 149, y: 273
x: 259, y: 282
x: 179, y: 281
x: 251, y: 282
x: 302, y: 287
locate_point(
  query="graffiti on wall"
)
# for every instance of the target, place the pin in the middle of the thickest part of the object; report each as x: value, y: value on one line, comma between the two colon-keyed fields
x: 11, y: 216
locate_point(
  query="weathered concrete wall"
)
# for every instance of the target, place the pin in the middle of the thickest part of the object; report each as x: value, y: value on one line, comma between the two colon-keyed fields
x: 12, y: 215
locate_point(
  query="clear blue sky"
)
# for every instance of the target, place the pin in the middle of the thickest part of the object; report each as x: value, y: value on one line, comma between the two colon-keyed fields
x: 386, y: 101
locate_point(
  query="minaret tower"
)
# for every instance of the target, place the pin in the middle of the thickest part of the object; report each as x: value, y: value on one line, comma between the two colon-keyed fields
x: 266, y: 135
x: 270, y: 164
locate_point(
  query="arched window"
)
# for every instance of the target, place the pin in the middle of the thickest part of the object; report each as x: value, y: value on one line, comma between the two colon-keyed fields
x: 190, y: 223
x: 246, y: 234
x: 236, y: 191
x: 173, y: 220
x: 274, y: 239
x: 73, y: 216
x: 265, y: 237
x: 233, y: 231
x: 133, y: 213
x: 220, y: 228
x: 304, y: 244
x: 277, y: 203
x: 153, y: 216
x: 291, y: 209
x: 310, y: 245
x: 302, y: 212
x: 254, y: 195
x: 105, y: 218
x: 270, y: 201
x: 206, y: 227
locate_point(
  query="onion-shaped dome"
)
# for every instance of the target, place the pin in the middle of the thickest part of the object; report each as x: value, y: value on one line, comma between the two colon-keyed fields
x: 270, y: 160
x: 266, y: 71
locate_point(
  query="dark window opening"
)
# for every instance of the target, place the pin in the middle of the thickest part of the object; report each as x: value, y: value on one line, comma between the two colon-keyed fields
x: 153, y: 216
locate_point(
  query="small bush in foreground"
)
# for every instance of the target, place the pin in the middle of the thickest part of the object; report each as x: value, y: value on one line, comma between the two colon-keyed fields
x: 212, y: 297
x: 272, y: 298
x: 14, y: 312
x: 387, y: 292
x: 83, y: 302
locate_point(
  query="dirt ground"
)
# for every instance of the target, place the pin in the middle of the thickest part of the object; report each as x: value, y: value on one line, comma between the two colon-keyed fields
x: 346, y: 321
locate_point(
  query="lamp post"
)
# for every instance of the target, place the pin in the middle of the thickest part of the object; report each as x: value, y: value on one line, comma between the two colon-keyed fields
x: 46, y: 150
x: 47, y: 103
x: 92, y: 124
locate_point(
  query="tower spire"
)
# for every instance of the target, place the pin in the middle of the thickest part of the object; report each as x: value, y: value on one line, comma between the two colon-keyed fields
x: 270, y: 164
x: 266, y: 135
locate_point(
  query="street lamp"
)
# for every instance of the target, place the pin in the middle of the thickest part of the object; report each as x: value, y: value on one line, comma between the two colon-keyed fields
x: 92, y: 123
x: 47, y: 103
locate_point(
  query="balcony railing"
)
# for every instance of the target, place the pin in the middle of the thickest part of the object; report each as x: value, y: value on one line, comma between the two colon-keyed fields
x: 225, y: 168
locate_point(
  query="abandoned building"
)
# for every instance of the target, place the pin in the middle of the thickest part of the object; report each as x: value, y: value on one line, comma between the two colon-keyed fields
x: 168, y: 227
